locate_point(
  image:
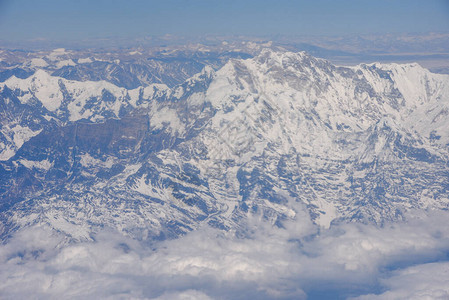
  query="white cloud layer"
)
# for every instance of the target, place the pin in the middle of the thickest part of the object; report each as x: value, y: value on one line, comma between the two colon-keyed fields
x: 398, y: 261
x: 426, y: 281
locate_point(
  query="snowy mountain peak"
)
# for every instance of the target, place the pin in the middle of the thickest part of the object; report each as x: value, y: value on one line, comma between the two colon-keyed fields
x: 286, y: 59
x: 41, y: 85
x: 261, y: 136
x: 58, y: 95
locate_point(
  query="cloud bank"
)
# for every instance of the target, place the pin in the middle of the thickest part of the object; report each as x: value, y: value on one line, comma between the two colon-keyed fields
x: 406, y: 260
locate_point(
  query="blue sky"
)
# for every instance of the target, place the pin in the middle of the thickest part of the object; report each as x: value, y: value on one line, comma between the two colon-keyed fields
x: 79, y: 19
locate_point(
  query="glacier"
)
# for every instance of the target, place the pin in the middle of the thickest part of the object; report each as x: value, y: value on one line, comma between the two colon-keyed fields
x: 280, y: 147
x: 268, y: 135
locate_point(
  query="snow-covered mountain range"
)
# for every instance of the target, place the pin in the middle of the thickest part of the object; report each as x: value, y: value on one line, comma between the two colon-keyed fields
x: 268, y: 135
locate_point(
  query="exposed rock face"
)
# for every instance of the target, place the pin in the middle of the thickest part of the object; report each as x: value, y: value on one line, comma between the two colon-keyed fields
x: 267, y: 135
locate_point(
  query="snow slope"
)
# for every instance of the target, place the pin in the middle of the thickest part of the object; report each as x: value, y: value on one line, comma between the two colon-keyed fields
x: 268, y: 136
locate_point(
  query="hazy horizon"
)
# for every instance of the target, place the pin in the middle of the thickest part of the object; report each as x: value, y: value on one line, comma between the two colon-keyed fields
x: 73, y: 21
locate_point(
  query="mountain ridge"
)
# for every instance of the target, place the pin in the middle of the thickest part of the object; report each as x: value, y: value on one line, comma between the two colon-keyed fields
x: 268, y: 136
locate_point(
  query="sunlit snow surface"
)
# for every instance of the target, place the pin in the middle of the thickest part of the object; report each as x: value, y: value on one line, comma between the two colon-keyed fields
x: 107, y: 240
